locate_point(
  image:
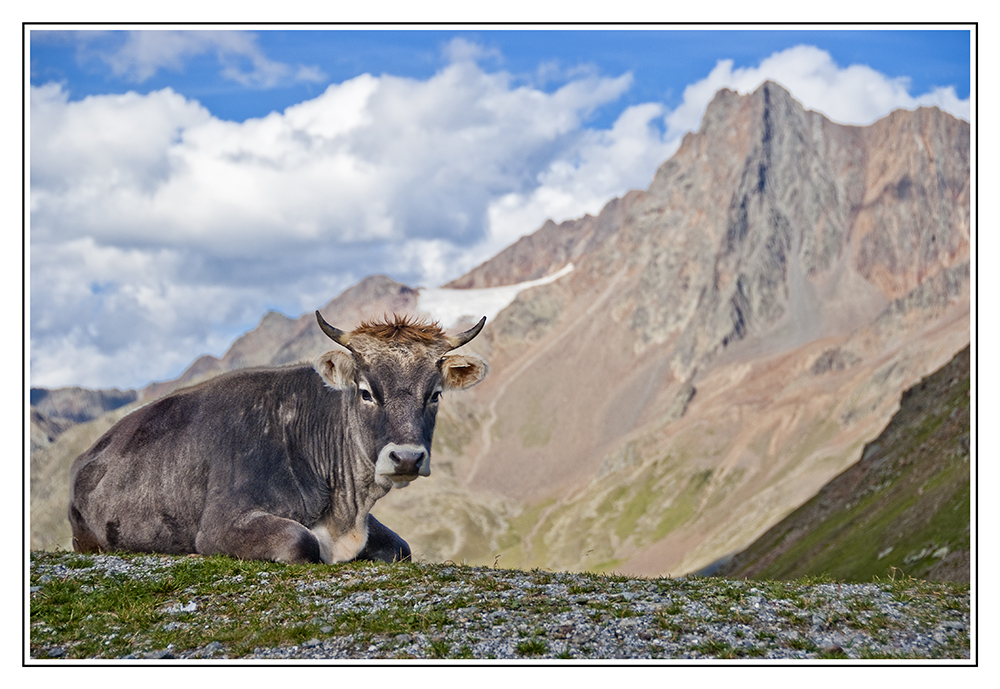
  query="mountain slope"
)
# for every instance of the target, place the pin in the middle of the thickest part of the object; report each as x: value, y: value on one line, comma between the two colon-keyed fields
x: 744, y: 326
x: 905, y: 504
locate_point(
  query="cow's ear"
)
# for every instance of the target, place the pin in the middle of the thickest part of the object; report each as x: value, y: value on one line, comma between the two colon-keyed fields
x: 336, y: 368
x: 461, y: 371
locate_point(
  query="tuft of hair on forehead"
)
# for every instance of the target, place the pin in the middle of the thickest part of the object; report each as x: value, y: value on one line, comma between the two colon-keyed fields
x: 401, y: 330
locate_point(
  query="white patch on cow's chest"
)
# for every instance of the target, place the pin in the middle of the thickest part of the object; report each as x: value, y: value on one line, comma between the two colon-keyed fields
x: 340, y: 547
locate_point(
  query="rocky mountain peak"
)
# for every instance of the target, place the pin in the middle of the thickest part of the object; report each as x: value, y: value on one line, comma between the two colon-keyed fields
x: 784, y: 236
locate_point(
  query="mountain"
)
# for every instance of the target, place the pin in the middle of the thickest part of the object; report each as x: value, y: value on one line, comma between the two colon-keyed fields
x: 53, y: 411
x: 905, y: 504
x: 706, y: 353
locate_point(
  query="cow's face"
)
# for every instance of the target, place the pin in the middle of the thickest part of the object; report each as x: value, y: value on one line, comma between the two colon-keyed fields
x: 394, y: 376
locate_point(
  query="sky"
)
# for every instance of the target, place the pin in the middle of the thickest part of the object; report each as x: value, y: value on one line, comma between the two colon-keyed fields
x: 183, y: 182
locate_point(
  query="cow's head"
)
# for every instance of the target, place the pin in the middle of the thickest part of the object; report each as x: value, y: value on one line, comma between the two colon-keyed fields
x: 394, y: 373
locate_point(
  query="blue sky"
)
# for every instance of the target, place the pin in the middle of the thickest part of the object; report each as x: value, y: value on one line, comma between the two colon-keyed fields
x: 183, y: 182
x: 661, y: 61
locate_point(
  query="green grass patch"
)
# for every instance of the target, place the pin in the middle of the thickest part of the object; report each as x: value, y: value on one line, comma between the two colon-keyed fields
x: 532, y: 647
x: 247, y: 605
x: 644, y: 497
x: 847, y: 544
x: 684, y: 504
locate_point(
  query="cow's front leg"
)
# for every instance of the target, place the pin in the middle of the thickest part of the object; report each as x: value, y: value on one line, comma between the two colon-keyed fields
x: 258, y: 536
x: 383, y: 544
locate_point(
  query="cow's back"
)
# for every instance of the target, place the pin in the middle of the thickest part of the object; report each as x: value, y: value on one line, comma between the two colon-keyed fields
x: 143, y: 485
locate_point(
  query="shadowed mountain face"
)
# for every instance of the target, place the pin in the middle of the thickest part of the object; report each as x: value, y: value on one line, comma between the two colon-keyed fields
x: 727, y: 342
x: 905, y: 504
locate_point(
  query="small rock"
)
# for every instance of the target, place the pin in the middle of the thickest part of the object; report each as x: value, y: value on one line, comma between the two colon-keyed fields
x: 56, y: 652
x: 164, y: 654
x: 312, y: 643
x: 214, y: 647
x: 175, y: 609
x: 562, y: 631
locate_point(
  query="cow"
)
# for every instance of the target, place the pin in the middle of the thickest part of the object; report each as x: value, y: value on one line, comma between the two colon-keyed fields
x: 281, y: 463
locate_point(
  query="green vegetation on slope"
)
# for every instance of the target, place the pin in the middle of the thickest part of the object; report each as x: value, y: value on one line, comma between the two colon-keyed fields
x: 905, y: 506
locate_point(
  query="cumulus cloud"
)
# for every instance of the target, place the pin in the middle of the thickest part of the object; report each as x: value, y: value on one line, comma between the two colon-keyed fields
x: 160, y: 232
x: 855, y: 94
x: 152, y: 220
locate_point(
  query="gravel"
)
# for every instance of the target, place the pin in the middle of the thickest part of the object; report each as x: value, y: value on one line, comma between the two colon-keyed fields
x: 520, y: 615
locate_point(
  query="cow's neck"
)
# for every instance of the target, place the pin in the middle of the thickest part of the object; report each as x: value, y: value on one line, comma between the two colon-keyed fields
x: 353, y: 490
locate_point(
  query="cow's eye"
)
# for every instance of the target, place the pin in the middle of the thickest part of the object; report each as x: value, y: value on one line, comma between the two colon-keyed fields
x: 435, y: 397
x: 366, y: 395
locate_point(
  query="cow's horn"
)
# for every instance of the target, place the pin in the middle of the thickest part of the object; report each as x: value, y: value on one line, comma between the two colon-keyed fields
x: 457, y: 341
x: 335, y: 334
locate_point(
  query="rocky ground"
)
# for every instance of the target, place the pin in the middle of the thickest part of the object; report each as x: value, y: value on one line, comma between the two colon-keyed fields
x: 176, y: 609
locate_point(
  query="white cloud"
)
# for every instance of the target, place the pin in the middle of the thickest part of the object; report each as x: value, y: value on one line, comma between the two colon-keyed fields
x: 144, y: 53
x: 105, y: 141
x: 856, y: 94
x: 152, y: 219
x: 603, y: 165
x: 159, y: 232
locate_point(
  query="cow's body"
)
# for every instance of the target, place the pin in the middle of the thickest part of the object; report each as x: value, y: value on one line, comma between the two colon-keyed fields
x: 274, y: 464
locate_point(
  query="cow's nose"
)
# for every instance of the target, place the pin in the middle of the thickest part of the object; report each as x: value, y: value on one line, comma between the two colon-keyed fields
x: 406, y: 461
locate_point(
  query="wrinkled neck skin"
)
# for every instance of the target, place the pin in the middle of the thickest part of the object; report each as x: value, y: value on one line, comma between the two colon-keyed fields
x: 350, y: 474
x: 392, y: 405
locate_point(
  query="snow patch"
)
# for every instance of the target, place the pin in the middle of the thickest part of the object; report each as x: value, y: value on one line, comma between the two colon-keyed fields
x: 449, y: 306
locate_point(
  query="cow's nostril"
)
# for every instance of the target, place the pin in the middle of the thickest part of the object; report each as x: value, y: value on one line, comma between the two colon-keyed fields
x: 407, y: 461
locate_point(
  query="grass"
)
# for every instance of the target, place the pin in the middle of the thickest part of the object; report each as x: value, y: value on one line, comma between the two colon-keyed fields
x: 912, y: 508
x: 683, y: 506
x: 646, y: 508
x: 871, y: 522
x: 532, y: 647
x: 81, y: 611
x: 247, y: 605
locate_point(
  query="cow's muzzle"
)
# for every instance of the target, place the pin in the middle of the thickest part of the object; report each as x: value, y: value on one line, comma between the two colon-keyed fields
x: 403, y: 463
